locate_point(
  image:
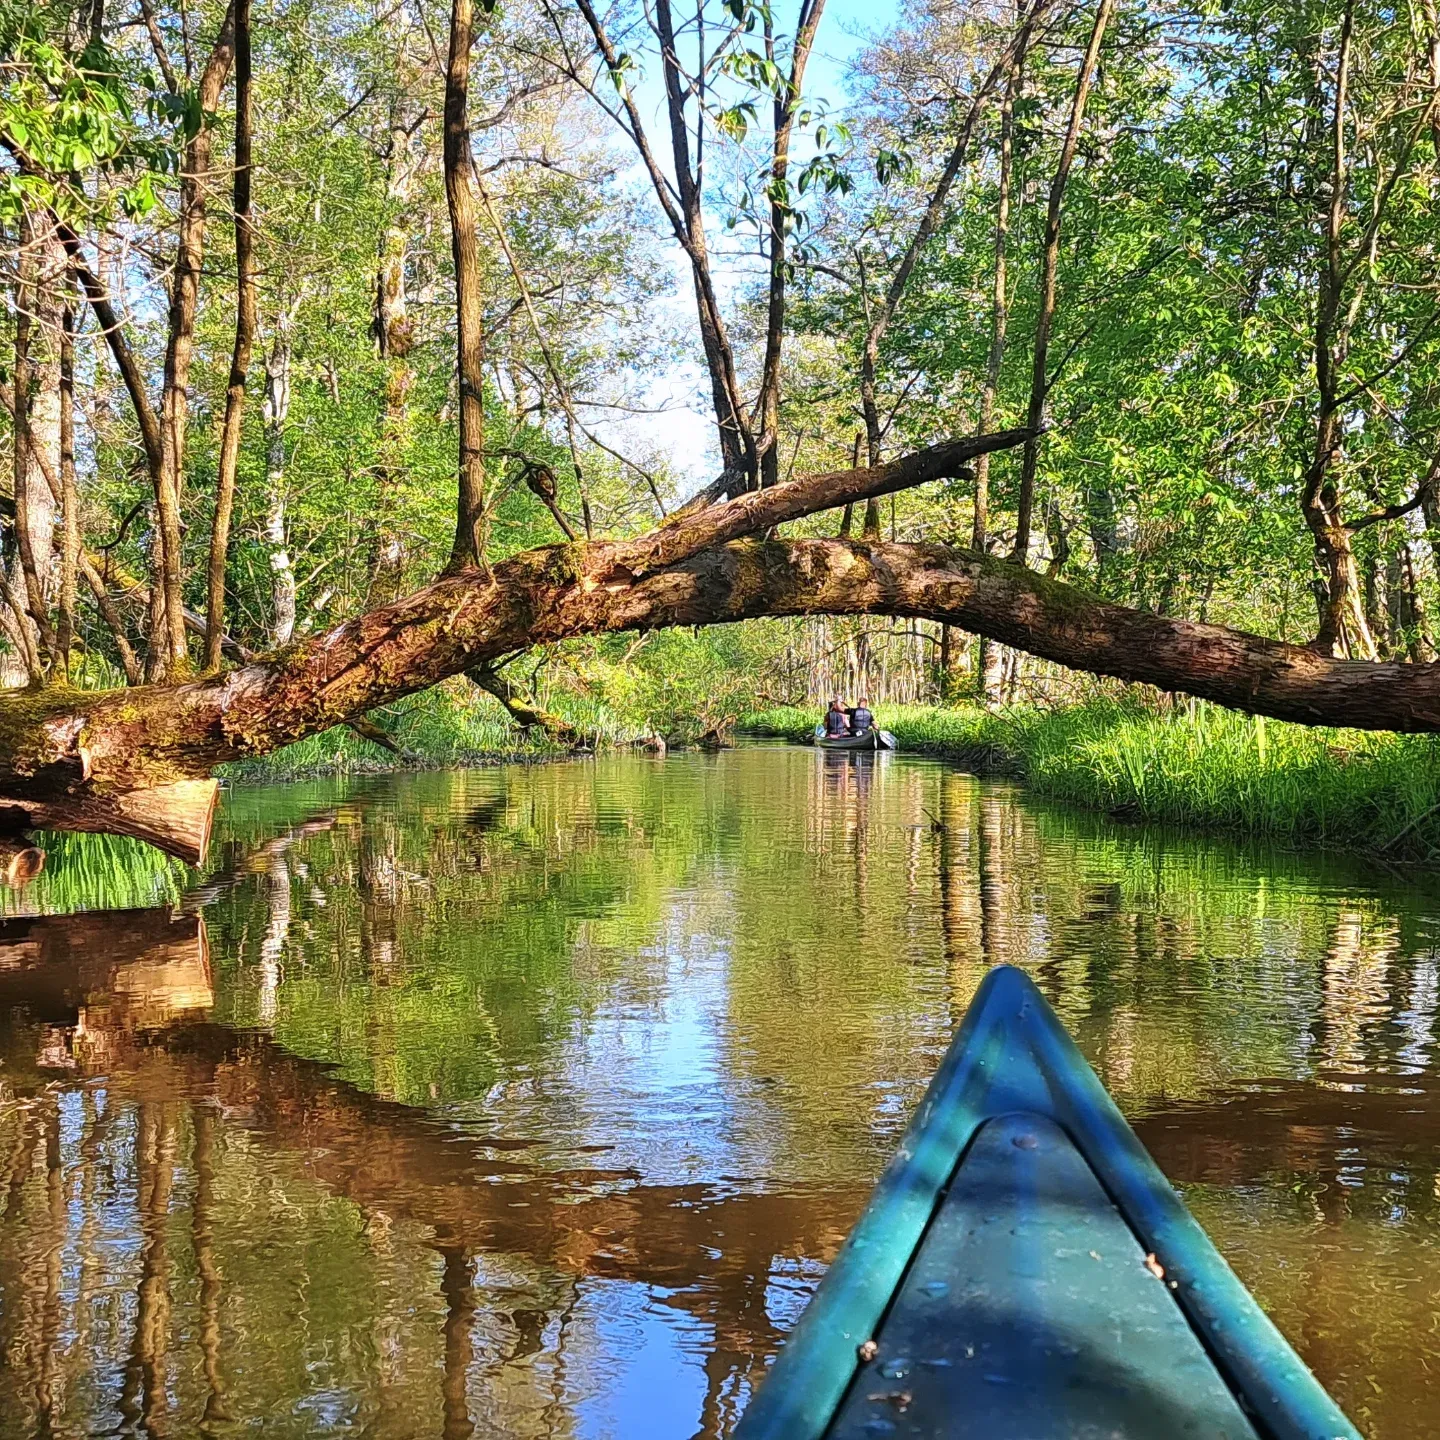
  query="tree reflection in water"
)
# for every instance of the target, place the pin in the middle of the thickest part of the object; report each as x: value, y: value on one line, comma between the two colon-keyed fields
x: 533, y: 1102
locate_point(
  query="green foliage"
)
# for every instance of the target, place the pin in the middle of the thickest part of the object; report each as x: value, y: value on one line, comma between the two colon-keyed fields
x: 1182, y: 404
x: 685, y: 685
x: 452, y: 724
x: 65, y: 112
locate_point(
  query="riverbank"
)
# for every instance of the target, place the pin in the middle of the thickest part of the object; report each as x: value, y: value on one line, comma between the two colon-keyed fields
x: 1201, y: 766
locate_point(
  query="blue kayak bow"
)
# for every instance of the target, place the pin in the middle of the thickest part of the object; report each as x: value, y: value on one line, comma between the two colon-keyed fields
x: 1023, y: 1269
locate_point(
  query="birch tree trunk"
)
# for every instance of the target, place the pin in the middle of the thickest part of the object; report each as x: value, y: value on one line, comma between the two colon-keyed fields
x: 275, y: 411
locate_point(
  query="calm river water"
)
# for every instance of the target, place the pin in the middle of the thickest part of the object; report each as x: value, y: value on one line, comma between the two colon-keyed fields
x: 533, y: 1102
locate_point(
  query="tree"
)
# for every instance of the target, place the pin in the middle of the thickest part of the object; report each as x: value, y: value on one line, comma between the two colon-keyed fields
x: 1216, y: 311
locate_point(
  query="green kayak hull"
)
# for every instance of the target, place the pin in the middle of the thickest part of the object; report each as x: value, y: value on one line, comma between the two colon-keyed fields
x: 1024, y: 1271
x: 870, y: 740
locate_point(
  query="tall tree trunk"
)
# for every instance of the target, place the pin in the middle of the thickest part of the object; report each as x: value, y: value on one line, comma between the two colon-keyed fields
x: 1049, y: 266
x: 999, y: 303
x: 1343, y: 628
x: 989, y: 660
x: 169, y: 652
x: 737, y: 442
x: 682, y: 202
x: 275, y: 411
x: 37, y: 424
x: 70, y: 549
x: 1418, y: 643
x: 240, y: 354
x: 783, y: 115
x: 87, y: 565
x: 469, y: 546
x: 394, y: 337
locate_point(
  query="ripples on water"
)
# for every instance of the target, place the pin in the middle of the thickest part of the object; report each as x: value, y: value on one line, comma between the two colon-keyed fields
x: 534, y: 1102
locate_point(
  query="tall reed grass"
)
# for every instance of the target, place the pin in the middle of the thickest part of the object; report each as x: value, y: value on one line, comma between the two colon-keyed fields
x: 1198, y: 765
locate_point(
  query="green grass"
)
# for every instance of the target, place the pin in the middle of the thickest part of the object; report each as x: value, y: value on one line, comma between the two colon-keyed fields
x: 97, y: 872
x: 449, y: 725
x: 440, y: 727
x: 1205, y: 766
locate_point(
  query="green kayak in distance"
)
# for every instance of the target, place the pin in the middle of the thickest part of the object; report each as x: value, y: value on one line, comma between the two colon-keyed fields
x: 1024, y: 1271
x: 873, y: 739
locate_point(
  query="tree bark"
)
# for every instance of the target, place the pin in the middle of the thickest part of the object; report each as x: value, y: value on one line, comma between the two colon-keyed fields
x: 69, y: 497
x: 37, y: 414
x: 66, y: 747
x: 240, y: 355
x: 1049, y: 267
x: 76, y: 760
x: 276, y: 410
x: 169, y: 653
x: 394, y: 338
x: 86, y: 564
x: 103, y: 760
x: 469, y: 546
x: 1000, y: 296
x: 737, y: 443
x: 1343, y: 627
x: 988, y: 658
x: 523, y: 709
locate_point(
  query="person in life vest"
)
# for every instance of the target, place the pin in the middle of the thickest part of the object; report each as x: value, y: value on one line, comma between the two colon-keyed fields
x: 837, y: 719
x: 861, y: 719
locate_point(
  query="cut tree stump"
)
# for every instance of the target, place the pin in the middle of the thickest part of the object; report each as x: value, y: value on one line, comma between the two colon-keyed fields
x: 175, y: 818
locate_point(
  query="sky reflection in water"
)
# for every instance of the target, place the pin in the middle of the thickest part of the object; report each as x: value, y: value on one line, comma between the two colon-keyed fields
x: 533, y: 1102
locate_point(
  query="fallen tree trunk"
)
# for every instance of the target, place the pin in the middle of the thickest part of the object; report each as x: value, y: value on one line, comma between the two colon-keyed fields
x: 82, y: 760
x: 101, y: 760
x: 118, y: 761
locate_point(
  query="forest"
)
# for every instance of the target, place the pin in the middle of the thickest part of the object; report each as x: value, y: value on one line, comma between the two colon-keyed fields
x: 348, y: 351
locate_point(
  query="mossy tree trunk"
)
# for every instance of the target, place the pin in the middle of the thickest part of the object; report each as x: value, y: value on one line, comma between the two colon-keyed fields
x: 136, y: 761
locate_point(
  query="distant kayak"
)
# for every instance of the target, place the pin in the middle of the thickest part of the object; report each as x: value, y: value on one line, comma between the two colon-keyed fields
x: 870, y: 740
x: 1024, y: 1269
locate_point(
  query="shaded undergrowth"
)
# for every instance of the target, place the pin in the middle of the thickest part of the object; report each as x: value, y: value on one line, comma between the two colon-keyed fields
x: 1198, y: 765
x: 452, y: 724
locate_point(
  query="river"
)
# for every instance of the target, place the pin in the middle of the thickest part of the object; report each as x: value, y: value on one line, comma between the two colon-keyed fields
x: 533, y: 1101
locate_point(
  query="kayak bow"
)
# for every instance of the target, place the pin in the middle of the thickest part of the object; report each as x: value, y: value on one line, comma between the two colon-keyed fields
x: 1024, y: 1271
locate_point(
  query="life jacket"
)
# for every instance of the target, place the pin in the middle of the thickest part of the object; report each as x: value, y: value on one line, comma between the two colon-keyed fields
x: 837, y: 722
x: 861, y: 719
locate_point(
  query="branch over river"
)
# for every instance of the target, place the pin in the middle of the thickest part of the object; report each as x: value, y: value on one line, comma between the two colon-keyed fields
x: 135, y: 761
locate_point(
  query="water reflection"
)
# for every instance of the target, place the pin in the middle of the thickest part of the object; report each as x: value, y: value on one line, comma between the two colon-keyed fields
x: 533, y: 1102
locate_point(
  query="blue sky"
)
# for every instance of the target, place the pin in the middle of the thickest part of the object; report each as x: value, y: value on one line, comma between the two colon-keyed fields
x: 684, y: 434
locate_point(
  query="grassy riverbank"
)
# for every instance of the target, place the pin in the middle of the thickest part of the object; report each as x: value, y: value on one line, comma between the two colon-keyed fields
x: 1206, y: 767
